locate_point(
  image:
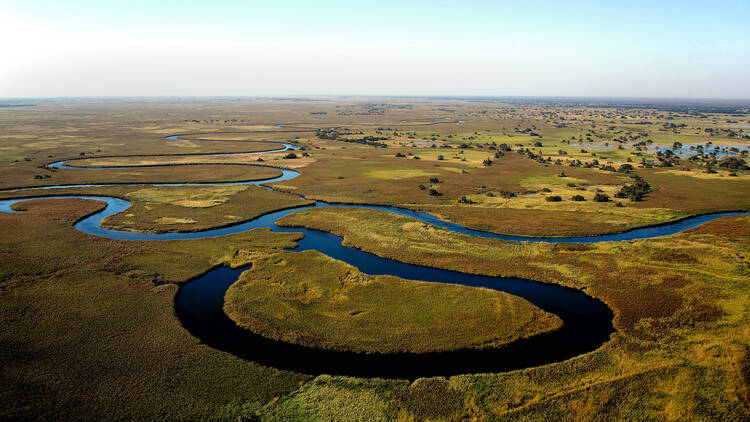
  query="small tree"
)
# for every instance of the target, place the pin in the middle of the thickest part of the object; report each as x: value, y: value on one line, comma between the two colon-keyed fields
x: 601, y: 197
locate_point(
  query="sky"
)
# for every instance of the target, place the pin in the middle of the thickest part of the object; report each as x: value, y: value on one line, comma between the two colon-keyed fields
x: 664, y: 49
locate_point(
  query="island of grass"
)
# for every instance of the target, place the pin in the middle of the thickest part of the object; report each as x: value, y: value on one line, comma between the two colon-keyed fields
x: 310, y: 299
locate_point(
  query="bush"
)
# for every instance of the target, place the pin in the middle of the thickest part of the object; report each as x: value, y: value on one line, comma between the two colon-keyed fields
x: 601, y: 197
x: 400, y: 155
x: 290, y: 156
x: 553, y: 198
x: 434, y: 192
x: 487, y: 162
x: 626, y: 168
x: 434, y: 179
x: 578, y: 198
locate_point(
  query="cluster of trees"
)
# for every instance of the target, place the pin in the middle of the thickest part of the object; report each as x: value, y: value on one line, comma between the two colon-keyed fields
x: 374, y: 141
x: 635, y: 191
x: 734, y: 163
x: 667, y: 158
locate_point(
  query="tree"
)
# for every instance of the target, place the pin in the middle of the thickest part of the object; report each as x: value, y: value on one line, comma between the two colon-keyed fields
x: 626, y: 168
x: 636, y: 191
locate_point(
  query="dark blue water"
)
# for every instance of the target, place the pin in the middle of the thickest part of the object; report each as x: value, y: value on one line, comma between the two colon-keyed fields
x: 199, y: 303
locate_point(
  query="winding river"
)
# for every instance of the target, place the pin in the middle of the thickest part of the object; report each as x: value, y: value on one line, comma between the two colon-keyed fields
x: 587, y: 322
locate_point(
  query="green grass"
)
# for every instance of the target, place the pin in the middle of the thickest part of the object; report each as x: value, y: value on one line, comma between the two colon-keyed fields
x: 308, y: 298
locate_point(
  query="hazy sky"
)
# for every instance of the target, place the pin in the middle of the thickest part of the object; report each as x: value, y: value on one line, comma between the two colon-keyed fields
x: 575, y: 48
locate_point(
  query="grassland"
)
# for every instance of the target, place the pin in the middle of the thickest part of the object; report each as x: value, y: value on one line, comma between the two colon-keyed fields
x: 310, y: 299
x: 88, y: 335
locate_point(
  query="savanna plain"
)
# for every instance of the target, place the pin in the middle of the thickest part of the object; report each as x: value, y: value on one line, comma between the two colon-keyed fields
x: 89, y: 327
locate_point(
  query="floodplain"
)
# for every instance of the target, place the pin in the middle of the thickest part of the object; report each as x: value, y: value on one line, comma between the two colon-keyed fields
x: 89, y: 323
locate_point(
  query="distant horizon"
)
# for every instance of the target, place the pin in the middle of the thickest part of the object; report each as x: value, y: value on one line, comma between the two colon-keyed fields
x: 395, y: 96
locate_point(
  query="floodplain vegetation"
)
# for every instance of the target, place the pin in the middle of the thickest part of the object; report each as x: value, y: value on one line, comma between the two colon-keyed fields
x: 89, y: 330
x: 308, y: 298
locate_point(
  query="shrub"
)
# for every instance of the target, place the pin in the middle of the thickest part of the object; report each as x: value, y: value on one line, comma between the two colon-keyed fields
x: 626, y: 168
x: 578, y: 198
x: 434, y: 192
x: 290, y: 156
x: 601, y: 197
x: 434, y: 179
x: 553, y: 198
